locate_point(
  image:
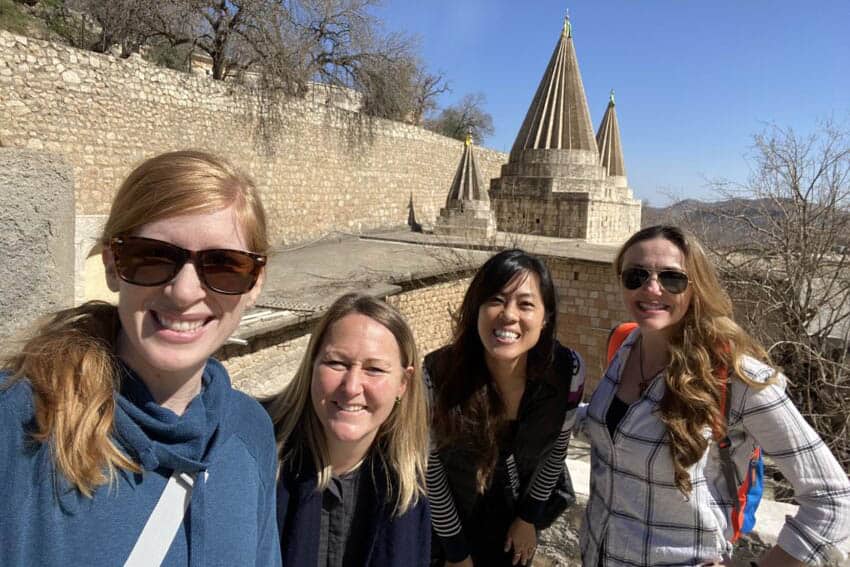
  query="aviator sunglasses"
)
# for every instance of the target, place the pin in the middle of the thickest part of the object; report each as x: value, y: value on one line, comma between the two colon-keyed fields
x: 149, y: 262
x: 671, y: 280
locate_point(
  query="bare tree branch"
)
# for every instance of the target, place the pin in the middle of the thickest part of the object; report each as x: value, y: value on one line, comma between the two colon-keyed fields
x: 786, y: 259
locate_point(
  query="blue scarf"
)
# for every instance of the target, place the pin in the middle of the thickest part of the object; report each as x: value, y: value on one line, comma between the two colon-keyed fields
x: 158, y: 438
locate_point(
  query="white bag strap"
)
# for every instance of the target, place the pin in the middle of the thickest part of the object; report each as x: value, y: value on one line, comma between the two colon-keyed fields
x: 162, y: 525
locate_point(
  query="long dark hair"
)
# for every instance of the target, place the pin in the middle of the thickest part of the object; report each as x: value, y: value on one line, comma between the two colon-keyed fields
x: 467, y: 409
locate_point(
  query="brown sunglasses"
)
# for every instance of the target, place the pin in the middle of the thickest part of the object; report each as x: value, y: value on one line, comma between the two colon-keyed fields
x: 149, y: 262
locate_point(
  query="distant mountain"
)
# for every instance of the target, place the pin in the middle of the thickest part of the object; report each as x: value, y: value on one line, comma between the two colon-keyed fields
x: 718, y: 222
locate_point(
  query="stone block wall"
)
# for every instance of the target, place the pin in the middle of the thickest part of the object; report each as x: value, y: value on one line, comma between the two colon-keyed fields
x: 36, y: 237
x: 558, y: 214
x: 429, y: 312
x: 319, y: 168
x: 589, y: 306
x: 268, y: 370
x: 612, y: 221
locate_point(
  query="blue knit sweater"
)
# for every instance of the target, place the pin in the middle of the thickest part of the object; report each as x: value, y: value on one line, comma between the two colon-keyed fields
x: 231, y: 517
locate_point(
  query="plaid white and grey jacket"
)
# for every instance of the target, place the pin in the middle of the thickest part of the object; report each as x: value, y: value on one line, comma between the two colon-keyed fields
x: 637, y: 516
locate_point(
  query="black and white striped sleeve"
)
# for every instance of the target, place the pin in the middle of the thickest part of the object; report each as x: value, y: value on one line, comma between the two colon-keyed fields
x: 444, y: 516
x: 532, y: 506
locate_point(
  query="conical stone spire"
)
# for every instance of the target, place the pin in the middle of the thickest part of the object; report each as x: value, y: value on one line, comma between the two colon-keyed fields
x: 467, y: 185
x: 610, y: 148
x: 467, y: 212
x: 558, y: 117
x: 554, y: 183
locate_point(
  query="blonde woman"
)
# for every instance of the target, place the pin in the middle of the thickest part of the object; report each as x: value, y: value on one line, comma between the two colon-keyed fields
x: 352, y: 432
x: 658, y: 495
x: 109, y: 415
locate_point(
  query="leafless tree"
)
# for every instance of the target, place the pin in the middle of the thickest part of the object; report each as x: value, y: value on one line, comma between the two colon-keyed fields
x: 117, y: 22
x: 398, y: 89
x: 427, y: 87
x: 788, y: 266
x: 234, y: 34
x: 466, y: 117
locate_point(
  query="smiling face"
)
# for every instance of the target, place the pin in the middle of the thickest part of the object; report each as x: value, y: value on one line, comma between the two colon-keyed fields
x: 357, y: 376
x: 510, y: 322
x: 652, y: 307
x: 169, y: 331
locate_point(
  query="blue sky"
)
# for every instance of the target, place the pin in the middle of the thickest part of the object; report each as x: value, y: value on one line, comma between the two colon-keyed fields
x: 694, y: 80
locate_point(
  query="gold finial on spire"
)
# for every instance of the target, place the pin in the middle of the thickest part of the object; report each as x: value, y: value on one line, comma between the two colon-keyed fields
x: 568, y: 27
x: 612, y: 98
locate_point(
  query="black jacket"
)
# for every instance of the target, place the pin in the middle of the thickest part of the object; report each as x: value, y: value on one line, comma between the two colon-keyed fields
x: 403, y: 540
x: 540, y: 418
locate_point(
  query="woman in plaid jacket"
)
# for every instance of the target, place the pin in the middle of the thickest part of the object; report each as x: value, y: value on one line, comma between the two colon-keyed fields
x: 657, y: 494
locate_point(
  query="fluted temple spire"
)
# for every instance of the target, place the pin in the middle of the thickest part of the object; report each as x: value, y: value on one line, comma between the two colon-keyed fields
x: 556, y: 183
x: 608, y: 141
x: 467, y: 184
x: 467, y: 212
x: 558, y: 117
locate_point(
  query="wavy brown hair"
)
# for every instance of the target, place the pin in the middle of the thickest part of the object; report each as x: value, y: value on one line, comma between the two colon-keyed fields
x: 69, y: 360
x: 401, y: 441
x: 468, y: 409
x: 707, y: 338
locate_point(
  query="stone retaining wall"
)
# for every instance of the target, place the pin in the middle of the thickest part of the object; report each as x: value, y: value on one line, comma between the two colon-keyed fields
x: 429, y: 312
x: 589, y: 306
x: 319, y: 168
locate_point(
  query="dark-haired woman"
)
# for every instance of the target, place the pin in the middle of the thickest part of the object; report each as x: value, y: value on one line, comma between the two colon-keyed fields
x: 658, y: 495
x: 121, y: 439
x: 504, y: 394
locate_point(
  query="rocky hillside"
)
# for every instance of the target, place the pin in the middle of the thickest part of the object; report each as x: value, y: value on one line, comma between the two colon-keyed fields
x: 725, y: 223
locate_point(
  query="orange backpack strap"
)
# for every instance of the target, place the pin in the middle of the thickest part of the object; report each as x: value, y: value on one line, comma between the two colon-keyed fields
x: 617, y: 336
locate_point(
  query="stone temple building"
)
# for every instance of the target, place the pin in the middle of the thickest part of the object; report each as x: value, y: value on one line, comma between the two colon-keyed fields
x: 560, y: 179
x: 467, y: 212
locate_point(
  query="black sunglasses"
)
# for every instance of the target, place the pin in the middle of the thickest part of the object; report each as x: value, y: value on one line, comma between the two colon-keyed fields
x: 149, y: 262
x: 671, y: 280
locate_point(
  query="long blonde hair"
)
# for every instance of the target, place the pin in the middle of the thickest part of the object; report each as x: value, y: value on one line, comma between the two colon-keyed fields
x: 401, y: 441
x: 69, y: 361
x: 707, y: 338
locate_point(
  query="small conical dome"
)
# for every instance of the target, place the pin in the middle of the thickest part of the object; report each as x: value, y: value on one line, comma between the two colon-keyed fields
x: 558, y: 117
x: 467, y: 212
x: 608, y: 141
x: 467, y: 184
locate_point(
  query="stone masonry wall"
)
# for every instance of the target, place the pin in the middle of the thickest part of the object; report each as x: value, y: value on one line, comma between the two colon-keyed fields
x: 320, y: 169
x: 589, y: 306
x: 267, y: 371
x: 612, y: 221
x: 429, y: 312
x: 559, y: 215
